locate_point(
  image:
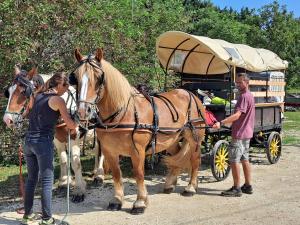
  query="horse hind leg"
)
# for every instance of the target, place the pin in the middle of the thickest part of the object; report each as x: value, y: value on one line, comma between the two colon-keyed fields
x: 80, y: 184
x: 186, y: 159
x: 173, y: 171
x: 195, y: 161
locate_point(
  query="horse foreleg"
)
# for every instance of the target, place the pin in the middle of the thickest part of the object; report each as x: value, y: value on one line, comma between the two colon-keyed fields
x: 138, y: 160
x: 116, y: 202
x: 99, y: 161
x: 80, y: 184
x: 61, y: 151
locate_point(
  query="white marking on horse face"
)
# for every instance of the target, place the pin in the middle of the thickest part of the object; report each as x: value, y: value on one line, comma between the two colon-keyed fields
x: 8, y: 116
x: 84, y: 89
x: 11, y: 91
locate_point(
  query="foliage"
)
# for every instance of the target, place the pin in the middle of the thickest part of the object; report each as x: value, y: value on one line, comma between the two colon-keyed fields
x: 46, y: 33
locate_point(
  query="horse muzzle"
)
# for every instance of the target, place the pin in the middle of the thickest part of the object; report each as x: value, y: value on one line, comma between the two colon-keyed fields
x: 8, y: 120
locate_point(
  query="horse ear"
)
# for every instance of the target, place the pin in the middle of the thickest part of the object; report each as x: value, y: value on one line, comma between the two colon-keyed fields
x: 78, y: 55
x: 99, y: 54
x: 17, y: 70
x: 32, y: 73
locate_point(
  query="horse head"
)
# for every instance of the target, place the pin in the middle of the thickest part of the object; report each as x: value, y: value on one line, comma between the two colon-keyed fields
x: 90, y: 80
x: 23, y: 86
x: 102, y: 90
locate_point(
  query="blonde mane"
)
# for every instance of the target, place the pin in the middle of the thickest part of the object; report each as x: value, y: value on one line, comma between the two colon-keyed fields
x: 117, y: 92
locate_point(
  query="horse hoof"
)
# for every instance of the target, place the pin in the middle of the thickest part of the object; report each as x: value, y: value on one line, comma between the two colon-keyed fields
x: 61, y: 192
x: 187, y: 194
x: 114, y: 207
x: 98, y: 181
x: 168, y: 190
x: 77, y: 198
x: 62, y: 188
x: 137, y: 211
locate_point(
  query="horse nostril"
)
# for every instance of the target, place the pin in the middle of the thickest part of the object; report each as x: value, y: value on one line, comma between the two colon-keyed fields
x: 10, y: 121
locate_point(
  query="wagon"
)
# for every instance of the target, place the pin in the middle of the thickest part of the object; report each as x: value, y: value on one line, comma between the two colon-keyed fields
x: 205, y: 66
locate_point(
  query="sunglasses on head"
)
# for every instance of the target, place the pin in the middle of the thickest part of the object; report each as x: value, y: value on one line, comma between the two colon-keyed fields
x: 66, y: 84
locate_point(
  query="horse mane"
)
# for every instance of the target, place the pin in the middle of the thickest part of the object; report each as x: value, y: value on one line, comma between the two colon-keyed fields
x: 118, y: 89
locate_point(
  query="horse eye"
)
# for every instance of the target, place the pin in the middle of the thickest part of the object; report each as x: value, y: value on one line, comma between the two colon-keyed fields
x: 6, y: 93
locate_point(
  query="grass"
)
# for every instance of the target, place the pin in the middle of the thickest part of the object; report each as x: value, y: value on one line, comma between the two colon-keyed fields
x: 292, y: 121
x: 291, y: 125
x: 293, y: 90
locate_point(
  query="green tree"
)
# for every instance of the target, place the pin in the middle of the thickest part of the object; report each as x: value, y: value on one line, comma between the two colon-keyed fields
x: 282, y: 32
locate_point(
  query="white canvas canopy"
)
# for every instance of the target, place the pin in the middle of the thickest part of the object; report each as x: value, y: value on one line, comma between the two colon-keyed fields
x: 192, y: 54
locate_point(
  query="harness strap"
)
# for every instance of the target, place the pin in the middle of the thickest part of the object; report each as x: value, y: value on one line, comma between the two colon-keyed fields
x: 136, y: 124
x: 150, y: 127
x: 170, y: 105
x: 155, y: 130
x: 113, y: 116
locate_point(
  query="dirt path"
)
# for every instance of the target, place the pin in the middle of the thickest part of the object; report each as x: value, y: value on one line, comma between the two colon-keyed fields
x: 276, y: 200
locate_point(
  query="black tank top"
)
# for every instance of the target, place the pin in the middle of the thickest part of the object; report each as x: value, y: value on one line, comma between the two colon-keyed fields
x: 42, y: 119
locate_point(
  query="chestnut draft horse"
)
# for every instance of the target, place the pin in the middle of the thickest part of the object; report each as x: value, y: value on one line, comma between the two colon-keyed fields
x: 133, y: 125
x: 18, y: 95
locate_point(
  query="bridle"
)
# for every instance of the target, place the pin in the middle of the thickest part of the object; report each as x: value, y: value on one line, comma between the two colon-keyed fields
x: 92, y: 106
x: 101, y: 82
x: 20, y: 123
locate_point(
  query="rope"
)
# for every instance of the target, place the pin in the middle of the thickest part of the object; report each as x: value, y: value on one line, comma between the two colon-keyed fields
x: 68, y: 182
x: 21, y: 180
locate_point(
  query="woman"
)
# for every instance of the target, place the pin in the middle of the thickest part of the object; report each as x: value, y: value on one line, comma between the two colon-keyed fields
x: 45, y: 110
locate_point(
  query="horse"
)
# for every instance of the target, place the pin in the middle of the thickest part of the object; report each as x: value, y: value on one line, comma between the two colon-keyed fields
x: 18, y: 95
x: 133, y: 125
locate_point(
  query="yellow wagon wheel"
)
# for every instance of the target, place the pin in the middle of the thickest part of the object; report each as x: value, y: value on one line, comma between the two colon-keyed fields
x: 273, y: 148
x: 220, y: 166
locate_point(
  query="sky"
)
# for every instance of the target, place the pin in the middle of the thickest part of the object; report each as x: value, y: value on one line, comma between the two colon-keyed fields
x: 292, y: 5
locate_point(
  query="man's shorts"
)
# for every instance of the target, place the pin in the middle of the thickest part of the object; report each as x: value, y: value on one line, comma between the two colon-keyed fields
x: 239, y: 150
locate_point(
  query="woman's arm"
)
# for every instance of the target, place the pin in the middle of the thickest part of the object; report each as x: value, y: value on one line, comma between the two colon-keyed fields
x: 58, y: 104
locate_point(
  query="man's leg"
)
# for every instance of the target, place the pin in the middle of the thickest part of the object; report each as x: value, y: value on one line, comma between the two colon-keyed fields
x: 247, y: 171
x: 246, y: 188
x: 234, y: 158
x: 235, y: 169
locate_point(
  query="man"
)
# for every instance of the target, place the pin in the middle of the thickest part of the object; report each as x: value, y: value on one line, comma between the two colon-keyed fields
x: 242, y: 131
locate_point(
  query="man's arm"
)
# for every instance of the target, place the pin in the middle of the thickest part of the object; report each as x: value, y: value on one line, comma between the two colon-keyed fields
x: 228, y: 120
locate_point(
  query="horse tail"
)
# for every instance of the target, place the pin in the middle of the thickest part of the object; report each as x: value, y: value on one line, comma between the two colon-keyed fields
x: 181, y: 159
